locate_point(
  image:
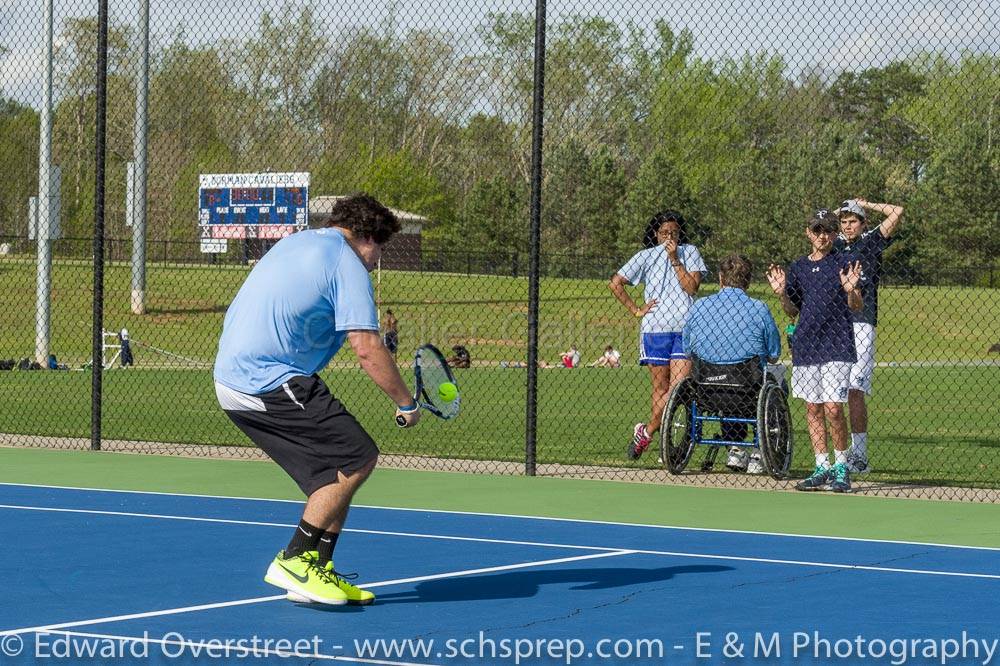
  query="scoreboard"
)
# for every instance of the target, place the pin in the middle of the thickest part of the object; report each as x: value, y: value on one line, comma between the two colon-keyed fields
x: 252, y: 205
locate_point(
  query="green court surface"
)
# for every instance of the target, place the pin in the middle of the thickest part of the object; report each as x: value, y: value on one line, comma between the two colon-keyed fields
x: 744, y: 510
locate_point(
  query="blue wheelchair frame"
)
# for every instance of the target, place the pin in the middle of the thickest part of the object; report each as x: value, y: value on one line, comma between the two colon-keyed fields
x: 772, y: 418
x: 696, y: 427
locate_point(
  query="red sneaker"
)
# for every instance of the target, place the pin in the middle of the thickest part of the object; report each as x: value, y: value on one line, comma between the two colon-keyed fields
x: 640, y: 441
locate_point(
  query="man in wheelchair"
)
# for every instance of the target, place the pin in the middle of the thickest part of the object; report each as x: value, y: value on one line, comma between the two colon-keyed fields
x: 731, y: 337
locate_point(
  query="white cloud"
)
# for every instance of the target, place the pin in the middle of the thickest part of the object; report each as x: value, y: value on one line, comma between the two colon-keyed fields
x: 951, y: 31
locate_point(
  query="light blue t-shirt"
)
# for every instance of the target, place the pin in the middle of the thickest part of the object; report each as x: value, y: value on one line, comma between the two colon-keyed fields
x: 729, y: 327
x: 652, y: 267
x: 293, y: 312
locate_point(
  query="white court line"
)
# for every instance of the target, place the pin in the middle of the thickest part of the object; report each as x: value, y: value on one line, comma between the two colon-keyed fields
x: 257, y: 600
x: 256, y: 523
x: 131, y: 514
x: 135, y: 616
x: 583, y: 521
x: 825, y: 565
x: 605, y: 549
x: 207, y: 646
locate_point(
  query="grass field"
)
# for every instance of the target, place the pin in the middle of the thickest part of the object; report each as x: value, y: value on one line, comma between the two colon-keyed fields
x: 585, y: 416
x: 928, y: 423
x: 488, y: 314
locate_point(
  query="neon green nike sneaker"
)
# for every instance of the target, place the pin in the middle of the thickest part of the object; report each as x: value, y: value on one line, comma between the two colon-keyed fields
x: 355, y: 595
x: 301, y: 576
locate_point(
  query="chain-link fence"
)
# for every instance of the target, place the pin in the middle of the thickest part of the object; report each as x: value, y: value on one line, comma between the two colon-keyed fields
x: 744, y: 118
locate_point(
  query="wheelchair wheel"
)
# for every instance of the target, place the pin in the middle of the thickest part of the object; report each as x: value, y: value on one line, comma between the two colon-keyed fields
x: 774, y: 430
x: 676, y: 445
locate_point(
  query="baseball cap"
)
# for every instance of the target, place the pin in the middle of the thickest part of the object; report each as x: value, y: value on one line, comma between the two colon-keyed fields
x: 824, y: 220
x: 852, y: 207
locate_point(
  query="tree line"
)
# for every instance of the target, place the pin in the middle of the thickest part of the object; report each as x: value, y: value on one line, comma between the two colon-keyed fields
x: 439, y: 124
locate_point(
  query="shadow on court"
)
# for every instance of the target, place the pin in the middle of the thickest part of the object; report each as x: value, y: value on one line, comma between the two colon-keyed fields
x: 524, y: 584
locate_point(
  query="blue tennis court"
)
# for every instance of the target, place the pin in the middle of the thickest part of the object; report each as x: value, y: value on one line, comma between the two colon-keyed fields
x: 166, y: 577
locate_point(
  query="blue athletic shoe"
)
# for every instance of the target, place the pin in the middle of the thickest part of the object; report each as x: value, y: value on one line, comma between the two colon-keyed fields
x: 841, y: 482
x: 820, y: 477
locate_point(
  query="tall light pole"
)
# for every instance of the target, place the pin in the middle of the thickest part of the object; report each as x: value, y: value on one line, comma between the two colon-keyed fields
x: 137, y: 186
x: 42, y: 223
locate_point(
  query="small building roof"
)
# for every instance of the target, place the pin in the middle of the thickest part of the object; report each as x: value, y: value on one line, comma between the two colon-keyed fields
x: 320, y: 207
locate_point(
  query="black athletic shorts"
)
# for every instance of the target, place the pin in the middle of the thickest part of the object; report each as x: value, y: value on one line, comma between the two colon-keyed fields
x: 308, y: 432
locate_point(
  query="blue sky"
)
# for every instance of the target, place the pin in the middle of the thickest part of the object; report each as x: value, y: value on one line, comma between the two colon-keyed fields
x: 832, y: 34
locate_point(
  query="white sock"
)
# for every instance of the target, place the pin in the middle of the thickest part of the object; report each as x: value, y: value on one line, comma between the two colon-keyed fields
x: 822, y: 460
x: 859, y: 443
x: 841, y: 457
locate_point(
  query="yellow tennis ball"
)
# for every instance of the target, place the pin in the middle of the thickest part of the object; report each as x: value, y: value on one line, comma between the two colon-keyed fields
x: 448, y: 391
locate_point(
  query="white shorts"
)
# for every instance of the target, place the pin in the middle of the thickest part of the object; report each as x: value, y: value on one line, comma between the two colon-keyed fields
x: 827, y: 382
x: 777, y: 371
x: 864, y: 344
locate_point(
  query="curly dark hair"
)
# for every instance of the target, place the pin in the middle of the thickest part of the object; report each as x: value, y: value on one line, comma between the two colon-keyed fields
x: 654, y: 224
x: 365, y: 217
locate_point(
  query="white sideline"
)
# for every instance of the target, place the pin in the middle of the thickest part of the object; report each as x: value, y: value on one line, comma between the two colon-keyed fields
x: 583, y: 521
x: 256, y: 523
x: 606, y: 550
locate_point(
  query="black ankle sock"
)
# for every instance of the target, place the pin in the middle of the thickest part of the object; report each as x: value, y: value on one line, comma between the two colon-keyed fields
x: 306, y: 537
x: 326, y: 545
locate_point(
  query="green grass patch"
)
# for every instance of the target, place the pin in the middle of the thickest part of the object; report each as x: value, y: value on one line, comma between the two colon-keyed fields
x: 934, y: 425
x: 186, y: 305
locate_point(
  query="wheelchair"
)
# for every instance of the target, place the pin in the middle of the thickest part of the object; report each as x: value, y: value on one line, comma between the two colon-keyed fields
x: 741, y: 398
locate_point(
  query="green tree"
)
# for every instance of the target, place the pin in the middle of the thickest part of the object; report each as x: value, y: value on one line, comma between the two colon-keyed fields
x: 75, y: 69
x: 657, y: 187
x: 187, y: 139
x: 19, y: 164
x: 954, y: 216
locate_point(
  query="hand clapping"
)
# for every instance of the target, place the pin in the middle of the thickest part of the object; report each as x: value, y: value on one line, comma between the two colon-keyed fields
x: 850, y: 276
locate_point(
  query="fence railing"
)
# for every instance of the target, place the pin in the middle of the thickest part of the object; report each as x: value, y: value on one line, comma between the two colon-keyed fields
x: 740, y: 124
x: 513, y: 264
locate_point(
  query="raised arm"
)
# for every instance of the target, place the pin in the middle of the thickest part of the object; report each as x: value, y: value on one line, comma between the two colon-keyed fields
x: 776, y: 278
x: 689, y: 280
x: 893, y: 215
x: 850, y: 279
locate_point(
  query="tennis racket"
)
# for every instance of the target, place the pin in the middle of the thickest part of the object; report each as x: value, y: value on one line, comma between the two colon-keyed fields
x: 431, y: 372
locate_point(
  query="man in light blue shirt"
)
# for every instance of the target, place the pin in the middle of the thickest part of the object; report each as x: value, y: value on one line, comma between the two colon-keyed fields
x: 293, y: 312
x: 307, y: 296
x: 729, y: 328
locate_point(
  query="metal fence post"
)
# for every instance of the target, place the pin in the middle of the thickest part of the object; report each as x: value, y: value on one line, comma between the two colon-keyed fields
x: 99, y: 140
x: 538, y: 120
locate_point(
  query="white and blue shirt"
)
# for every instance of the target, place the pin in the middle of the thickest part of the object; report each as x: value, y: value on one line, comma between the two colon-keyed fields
x: 293, y: 312
x: 652, y: 268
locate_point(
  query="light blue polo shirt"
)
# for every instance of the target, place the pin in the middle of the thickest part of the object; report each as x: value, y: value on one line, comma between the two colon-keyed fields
x: 293, y: 312
x: 652, y: 268
x: 729, y: 327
